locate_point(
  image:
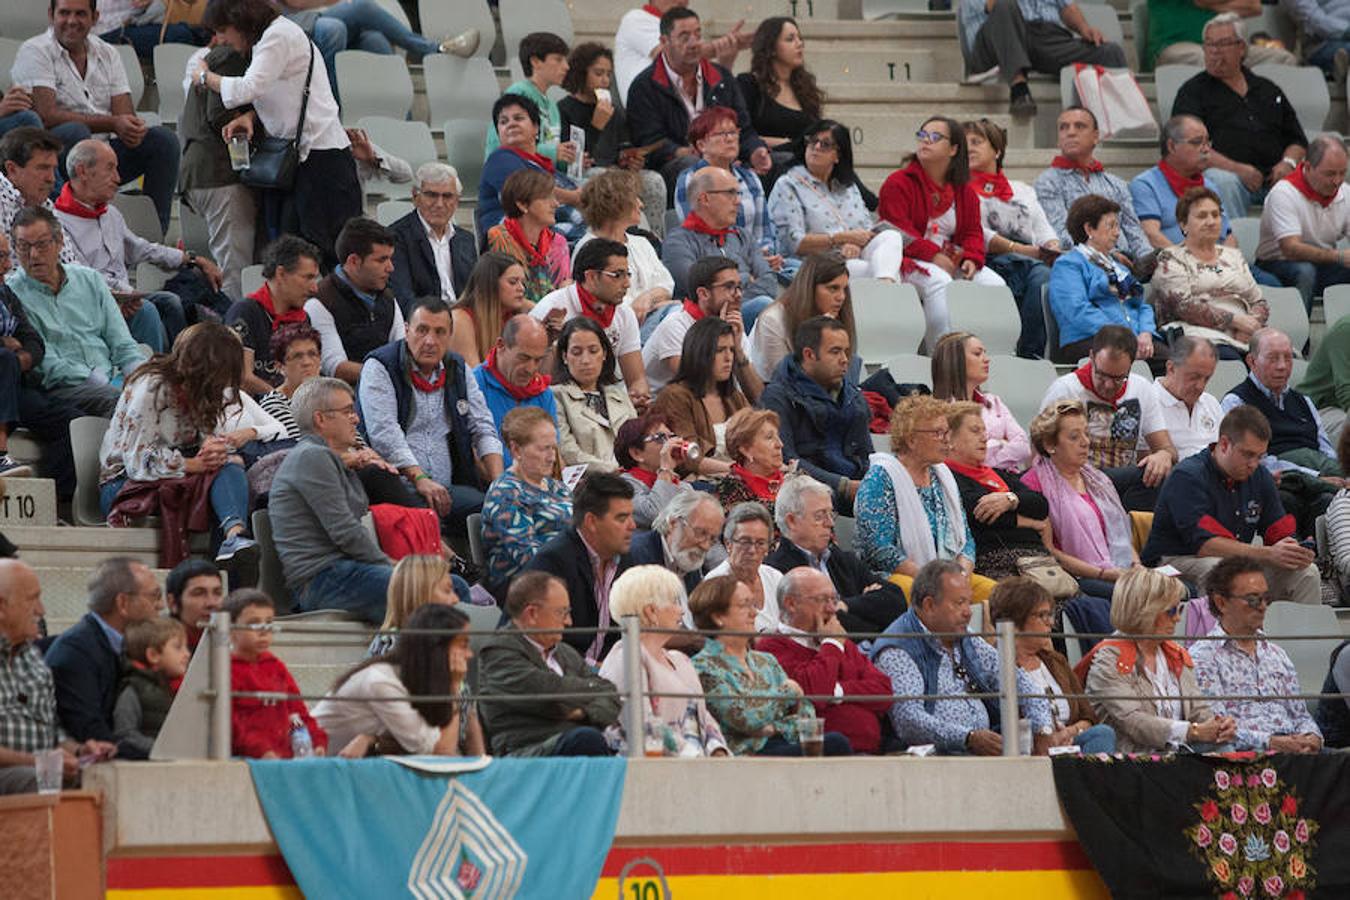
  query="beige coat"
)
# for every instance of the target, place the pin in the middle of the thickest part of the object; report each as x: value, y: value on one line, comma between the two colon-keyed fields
x: 1139, y: 728
x: 583, y: 436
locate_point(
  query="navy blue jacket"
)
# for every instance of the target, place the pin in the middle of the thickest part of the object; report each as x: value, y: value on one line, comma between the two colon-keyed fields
x: 657, y: 115
x: 828, y: 436
x: 565, y: 557
x: 87, y: 671
x: 645, y: 550
x: 415, y: 272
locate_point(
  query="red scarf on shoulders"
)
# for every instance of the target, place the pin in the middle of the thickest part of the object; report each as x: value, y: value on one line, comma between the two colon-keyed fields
x: 1295, y: 178
x: 537, y: 252
x: 263, y: 297
x: 1084, y: 373
x: 695, y: 311
x: 693, y: 222
x: 991, y: 184
x: 647, y: 7
x: 538, y: 384
x: 984, y: 475
x: 645, y: 476
x: 762, y: 487
x: 939, y: 199
x: 542, y: 162
x: 1179, y: 183
x: 66, y: 203
x: 601, y: 313
x: 1092, y: 166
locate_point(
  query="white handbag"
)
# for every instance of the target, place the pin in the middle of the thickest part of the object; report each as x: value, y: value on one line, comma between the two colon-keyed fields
x: 1115, y: 98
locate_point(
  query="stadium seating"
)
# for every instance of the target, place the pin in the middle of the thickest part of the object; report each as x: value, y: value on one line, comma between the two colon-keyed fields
x: 988, y: 311
x: 86, y: 436
x: 142, y: 219
x: 1336, y: 303
x: 170, y: 72
x: 1247, y: 230
x: 1306, y: 88
x: 1169, y: 80
x: 409, y: 141
x: 888, y: 316
x: 521, y: 17
x: 1021, y: 384
x: 390, y: 211
x: 459, y: 88
x: 1288, y: 314
x: 911, y: 368
x: 373, y: 84
x: 446, y: 18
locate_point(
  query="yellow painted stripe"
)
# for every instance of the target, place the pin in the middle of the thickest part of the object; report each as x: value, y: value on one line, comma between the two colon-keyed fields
x: 261, y: 892
x: 1033, y: 885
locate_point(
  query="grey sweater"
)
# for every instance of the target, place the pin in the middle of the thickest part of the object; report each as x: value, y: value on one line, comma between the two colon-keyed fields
x: 316, y: 506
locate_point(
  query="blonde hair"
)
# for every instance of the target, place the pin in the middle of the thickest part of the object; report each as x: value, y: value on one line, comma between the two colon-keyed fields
x: 959, y: 411
x: 1139, y: 596
x: 411, y: 586
x: 744, y: 425
x: 643, y: 586
x: 1044, y: 429
x: 909, y: 412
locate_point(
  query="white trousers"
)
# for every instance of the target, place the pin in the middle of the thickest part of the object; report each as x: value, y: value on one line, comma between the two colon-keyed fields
x: 881, y: 257
x: 931, y: 283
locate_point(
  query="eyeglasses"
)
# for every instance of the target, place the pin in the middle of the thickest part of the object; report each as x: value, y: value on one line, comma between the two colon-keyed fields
x: 750, y: 543
x: 1173, y: 611
x: 439, y: 196
x: 1254, y: 601
x: 1225, y: 45
x: 931, y: 137
x: 1046, y: 617
x: 822, y: 516
x: 348, y: 410
x: 1197, y: 142
x: 734, y: 287
x: 1110, y: 379
x: 303, y: 354
x: 723, y: 191
x: 617, y: 275
x: 38, y: 246
x: 702, y: 535
x: 745, y: 604
x: 831, y: 598
x: 725, y: 134
x: 659, y: 438
x: 939, y: 433
x: 826, y: 144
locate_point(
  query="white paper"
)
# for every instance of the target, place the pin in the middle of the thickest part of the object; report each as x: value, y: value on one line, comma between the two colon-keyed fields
x: 577, y: 136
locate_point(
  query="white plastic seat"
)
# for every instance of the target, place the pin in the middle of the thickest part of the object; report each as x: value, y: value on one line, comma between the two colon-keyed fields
x: 1247, y: 230
x: 1306, y: 88
x: 845, y: 529
x: 1021, y: 384
x: 522, y: 17
x: 987, y: 311
x: 459, y: 88
x: 889, y: 318
x: 446, y: 18
x: 250, y: 279
x: 911, y: 368
x: 474, y: 525
x: 390, y: 211
x: 22, y: 19
x: 1168, y: 80
x: 465, y: 142
x: 1336, y: 303
x: 373, y: 84
x: 1288, y: 314
x: 170, y: 61
x: 86, y: 438
x: 1228, y: 374
x: 410, y: 141
x: 141, y: 215
x: 271, y: 578
x: 135, y: 77
x: 9, y: 48
x: 1310, y: 657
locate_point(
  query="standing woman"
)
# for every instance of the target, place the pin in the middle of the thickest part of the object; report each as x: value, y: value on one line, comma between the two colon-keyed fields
x: 780, y: 93
x: 327, y: 191
x: 932, y: 202
x: 960, y: 370
x: 592, y: 402
x: 704, y: 395
x: 494, y: 293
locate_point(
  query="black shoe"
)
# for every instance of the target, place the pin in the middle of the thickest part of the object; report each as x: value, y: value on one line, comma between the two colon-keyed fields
x: 1022, y: 104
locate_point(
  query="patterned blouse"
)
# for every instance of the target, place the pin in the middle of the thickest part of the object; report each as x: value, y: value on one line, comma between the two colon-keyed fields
x: 518, y: 519
x: 540, y: 280
x: 725, y: 677
x: 147, y: 436
x: 878, y: 540
x: 801, y: 204
x: 1205, y: 296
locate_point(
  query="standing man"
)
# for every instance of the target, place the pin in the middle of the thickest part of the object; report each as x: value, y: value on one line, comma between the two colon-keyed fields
x: 432, y: 258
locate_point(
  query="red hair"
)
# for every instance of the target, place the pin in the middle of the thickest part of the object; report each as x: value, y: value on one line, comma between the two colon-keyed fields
x: 706, y: 122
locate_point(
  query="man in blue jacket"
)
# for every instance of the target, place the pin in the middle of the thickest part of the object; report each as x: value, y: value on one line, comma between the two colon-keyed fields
x: 510, y: 375
x: 822, y: 417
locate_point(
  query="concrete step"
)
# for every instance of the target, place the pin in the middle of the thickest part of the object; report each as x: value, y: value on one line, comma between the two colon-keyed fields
x: 27, y: 502
x: 77, y: 547
x: 65, y: 592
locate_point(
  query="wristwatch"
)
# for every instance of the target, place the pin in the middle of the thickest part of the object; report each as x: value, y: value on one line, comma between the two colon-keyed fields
x: 189, y: 258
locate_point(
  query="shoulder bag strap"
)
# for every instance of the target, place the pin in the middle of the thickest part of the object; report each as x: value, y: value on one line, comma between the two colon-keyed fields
x: 304, y: 97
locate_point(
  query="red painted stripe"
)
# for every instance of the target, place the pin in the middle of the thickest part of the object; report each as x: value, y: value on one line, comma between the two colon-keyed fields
x: 146, y: 872
x: 801, y: 859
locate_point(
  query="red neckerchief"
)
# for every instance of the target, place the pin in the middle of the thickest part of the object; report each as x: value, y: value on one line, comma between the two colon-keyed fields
x: 542, y: 162
x: 426, y: 385
x: 66, y: 203
x: 984, y: 475
x: 538, y: 384
x: 761, y: 487
x: 263, y: 297
x: 602, y: 313
x: 693, y: 222
x: 991, y: 184
x: 695, y: 311
x: 647, y: 7
x: 538, y: 252
x: 939, y: 198
x: 1295, y: 178
x: 1092, y: 166
x: 646, y: 476
x: 1179, y: 183
x: 1084, y: 373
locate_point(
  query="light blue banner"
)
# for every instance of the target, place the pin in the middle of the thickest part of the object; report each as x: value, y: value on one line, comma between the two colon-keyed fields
x: 523, y: 828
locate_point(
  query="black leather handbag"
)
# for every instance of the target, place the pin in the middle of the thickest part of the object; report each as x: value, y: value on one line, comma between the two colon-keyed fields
x: 272, y: 163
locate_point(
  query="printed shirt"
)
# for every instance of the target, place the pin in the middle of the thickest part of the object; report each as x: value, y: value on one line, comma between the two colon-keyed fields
x: 802, y: 204
x: 725, y: 678
x: 519, y: 519
x: 1058, y: 188
x: 1222, y: 668
x: 1114, y: 432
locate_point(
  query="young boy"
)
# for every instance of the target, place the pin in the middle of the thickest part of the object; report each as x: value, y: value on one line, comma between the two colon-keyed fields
x: 157, y: 650
x: 262, y: 728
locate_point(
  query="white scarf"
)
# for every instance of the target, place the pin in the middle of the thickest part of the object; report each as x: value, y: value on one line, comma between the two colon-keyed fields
x: 915, y: 532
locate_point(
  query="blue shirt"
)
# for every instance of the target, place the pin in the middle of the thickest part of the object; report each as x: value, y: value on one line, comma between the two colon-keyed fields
x: 1058, y: 188
x: 115, y: 637
x: 499, y: 403
x: 973, y: 15
x: 1153, y: 199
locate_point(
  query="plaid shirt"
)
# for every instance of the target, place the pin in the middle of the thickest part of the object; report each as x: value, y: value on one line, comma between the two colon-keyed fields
x: 27, y: 700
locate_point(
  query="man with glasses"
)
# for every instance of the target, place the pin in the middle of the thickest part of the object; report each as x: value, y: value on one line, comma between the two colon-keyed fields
x: 714, y: 290
x: 1176, y: 32
x: 1185, y: 147
x: 290, y: 269
x: 1242, y: 663
x: 710, y: 230
x: 432, y: 258
x: 1255, y: 130
x: 1216, y: 501
x: 510, y: 377
x: 680, y: 539
x: 814, y: 650
x: 1122, y: 413
x: 602, y: 276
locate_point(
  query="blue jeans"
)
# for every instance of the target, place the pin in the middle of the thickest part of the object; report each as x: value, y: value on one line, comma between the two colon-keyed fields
x: 229, y: 496
x: 359, y: 588
x: 147, y: 327
x: 22, y: 118
x: 156, y: 157
x: 373, y: 29
x: 1025, y: 277
x: 1310, y: 278
x: 1261, y: 276
x: 1097, y: 739
x: 1324, y: 56
x: 582, y: 741
x: 171, y: 314
x: 146, y: 37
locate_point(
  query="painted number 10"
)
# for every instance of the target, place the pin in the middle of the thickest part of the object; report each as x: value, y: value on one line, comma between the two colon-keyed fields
x: 24, y: 508
x: 644, y: 890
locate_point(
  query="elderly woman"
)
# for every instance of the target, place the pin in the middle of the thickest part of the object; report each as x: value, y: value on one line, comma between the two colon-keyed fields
x: 1092, y: 531
x: 960, y: 371
x: 820, y: 288
x: 296, y: 347
x: 1203, y: 287
x: 518, y: 124
x: 527, y: 504
x: 418, y: 579
x: 611, y: 205
x: 592, y: 402
x: 526, y: 234
x: 647, y: 451
x: 704, y: 395
x: 748, y: 535
x: 1090, y: 287
x: 818, y: 205
x: 1153, y: 673
x: 729, y: 669
x: 758, y: 471
x: 655, y: 595
x: 493, y: 294
x: 780, y: 92
x: 1031, y: 610
x: 908, y: 506
x: 1019, y: 241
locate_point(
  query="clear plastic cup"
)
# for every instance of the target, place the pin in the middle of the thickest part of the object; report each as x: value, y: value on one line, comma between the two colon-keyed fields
x: 811, y: 734
x: 238, y: 152
x: 50, y: 765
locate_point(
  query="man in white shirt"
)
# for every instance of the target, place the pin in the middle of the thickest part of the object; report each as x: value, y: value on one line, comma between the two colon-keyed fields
x: 715, y: 290
x: 80, y: 89
x: 1306, y: 215
x: 1120, y: 411
x: 638, y: 40
x: 1190, y: 415
x: 602, y: 276
x: 432, y: 258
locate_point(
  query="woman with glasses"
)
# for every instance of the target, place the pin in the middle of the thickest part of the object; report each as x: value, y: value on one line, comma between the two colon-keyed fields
x: 1019, y: 240
x: 592, y: 403
x: 1090, y: 287
x: 1135, y: 676
x: 933, y: 204
x: 494, y: 293
x: 647, y: 452
x: 611, y: 205
x: 1205, y: 288
x: 703, y: 396
x: 526, y: 234
x: 748, y: 533
x: 908, y: 507
x: 758, y: 471
x: 818, y: 205
x: 820, y: 288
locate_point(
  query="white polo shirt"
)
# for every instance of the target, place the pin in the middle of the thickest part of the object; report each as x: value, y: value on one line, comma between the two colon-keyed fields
x: 1192, y: 430
x: 43, y: 62
x: 1288, y: 213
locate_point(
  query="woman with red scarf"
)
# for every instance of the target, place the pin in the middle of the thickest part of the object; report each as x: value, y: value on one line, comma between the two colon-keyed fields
x: 527, y: 236
x: 646, y: 451
x: 758, y: 470
x: 934, y: 205
x: 1020, y: 241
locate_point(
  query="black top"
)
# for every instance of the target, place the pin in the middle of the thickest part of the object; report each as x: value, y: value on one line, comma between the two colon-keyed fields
x: 602, y: 144
x: 254, y: 327
x: 1003, y: 531
x: 565, y: 556
x: 770, y: 117
x: 1292, y: 426
x: 1253, y: 129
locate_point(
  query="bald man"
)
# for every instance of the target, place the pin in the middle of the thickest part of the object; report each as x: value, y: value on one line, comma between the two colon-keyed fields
x: 512, y: 375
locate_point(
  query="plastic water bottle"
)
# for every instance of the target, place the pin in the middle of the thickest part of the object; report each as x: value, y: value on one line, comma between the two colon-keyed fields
x: 690, y: 732
x: 302, y: 745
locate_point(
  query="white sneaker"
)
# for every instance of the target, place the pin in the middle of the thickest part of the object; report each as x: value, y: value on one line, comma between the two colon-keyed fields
x: 463, y: 44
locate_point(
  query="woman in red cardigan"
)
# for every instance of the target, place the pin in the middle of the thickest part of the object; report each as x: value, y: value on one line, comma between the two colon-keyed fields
x: 932, y: 203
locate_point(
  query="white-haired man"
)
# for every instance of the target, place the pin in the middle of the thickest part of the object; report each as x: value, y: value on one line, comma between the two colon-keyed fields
x: 681, y: 537
x: 432, y: 258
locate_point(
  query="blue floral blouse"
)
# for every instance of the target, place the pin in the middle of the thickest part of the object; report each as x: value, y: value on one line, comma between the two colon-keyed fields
x: 518, y: 519
x: 878, y: 540
x: 724, y: 678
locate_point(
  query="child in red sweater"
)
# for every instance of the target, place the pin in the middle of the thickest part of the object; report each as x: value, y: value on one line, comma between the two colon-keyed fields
x: 262, y: 728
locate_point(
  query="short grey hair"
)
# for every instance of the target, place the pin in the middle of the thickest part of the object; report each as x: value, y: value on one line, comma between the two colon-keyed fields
x: 749, y: 511
x: 85, y: 153
x: 115, y: 575
x: 312, y: 397
x: 681, y: 507
x: 436, y: 173
x: 928, y: 581
x: 1186, y: 346
x: 790, y: 585
x: 1318, y: 147
x: 1174, y: 129
x: 700, y: 182
x: 1260, y: 336
x: 1230, y: 19
x: 791, y: 500
x: 643, y: 586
